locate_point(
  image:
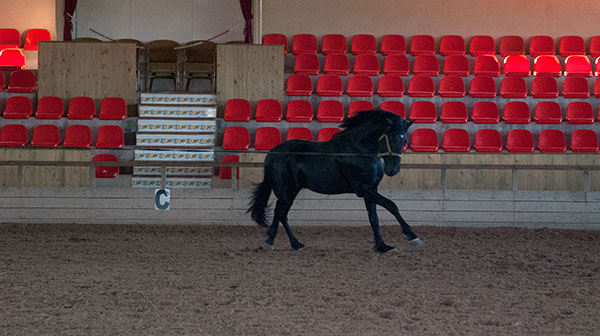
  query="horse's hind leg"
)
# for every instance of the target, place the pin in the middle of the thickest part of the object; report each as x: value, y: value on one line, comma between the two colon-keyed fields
x: 281, y: 210
x: 272, y: 231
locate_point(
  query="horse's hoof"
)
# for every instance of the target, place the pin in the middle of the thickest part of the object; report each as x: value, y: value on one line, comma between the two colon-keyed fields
x: 384, y: 249
x: 269, y: 245
x: 417, y: 242
x: 297, y: 246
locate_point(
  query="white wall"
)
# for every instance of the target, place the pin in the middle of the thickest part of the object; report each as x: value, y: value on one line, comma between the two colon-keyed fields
x: 27, y: 14
x: 147, y: 20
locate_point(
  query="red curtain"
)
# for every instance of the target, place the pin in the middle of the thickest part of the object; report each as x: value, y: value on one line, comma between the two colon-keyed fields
x: 247, y: 12
x: 69, y: 10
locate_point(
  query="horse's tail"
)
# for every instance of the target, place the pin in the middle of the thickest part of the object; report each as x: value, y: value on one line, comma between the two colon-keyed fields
x: 260, y: 198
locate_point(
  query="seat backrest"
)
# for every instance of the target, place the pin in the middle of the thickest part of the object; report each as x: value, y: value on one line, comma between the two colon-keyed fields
x: 326, y: 133
x: 547, y: 112
x: 330, y: 85
x: 517, y: 65
x: 110, y: 136
x: 360, y: 86
x: 266, y: 138
x: 236, y: 138
x: 162, y: 51
x: 301, y: 133
x: 334, y: 44
x: 456, y: 65
x: 396, y: 64
x: 330, y: 111
x: 580, y: 112
x: 513, y: 87
x: 392, y: 44
x: 571, y: 45
x: 519, y: 140
x: 299, y: 111
x: 575, y: 87
x: 13, y: 135
x: 307, y: 64
x: 541, y: 45
x: 366, y: 64
x: 201, y: 51
x: 363, y: 44
x: 452, y: 86
x: 237, y: 109
x: 18, y: 107
x: 552, y: 140
x: 454, y: 112
x: 486, y: 65
x: 81, y: 108
x: 22, y: 81
x: 544, y: 87
x: 105, y: 171
x: 421, y: 86
x: 12, y: 59
x: 395, y: 107
x: 268, y: 110
x: 112, y: 108
x: 516, y: 112
x: 359, y: 105
x: 547, y: 65
x: 304, y: 44
x: 276, y: 38
x: 456, y: 140
x: 424, y: 140
x: 584, y: 140
x: 336, y: 64
x: 426, y: 65
x: 452, y: 45
x: 482, y: 45
x: 595, y: 46
x: 9, y: 38
x: 33, y: 36
x: 482, y: 87
x: 299, y: 85
x: 422, y: 45
x: 485, y: 112
x: 390, y: 86
x: 2, y: 81
x: 78, y: 136
x: 50, y: 107
x: 578, y: 65
x: 45, y: 136
x: 511, y: 45
x: 488, y: 141
x: 423, y: 111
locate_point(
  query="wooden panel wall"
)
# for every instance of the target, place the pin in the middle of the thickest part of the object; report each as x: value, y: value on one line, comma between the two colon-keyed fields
x: 95, y: 70
x: 252, y: 72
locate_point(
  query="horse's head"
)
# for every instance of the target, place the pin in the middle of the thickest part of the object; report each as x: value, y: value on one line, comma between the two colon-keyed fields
x: 392, y: 142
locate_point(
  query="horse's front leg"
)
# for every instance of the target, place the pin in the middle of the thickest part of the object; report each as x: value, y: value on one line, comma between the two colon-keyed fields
x: 380, y: 246
x: 390, y: 206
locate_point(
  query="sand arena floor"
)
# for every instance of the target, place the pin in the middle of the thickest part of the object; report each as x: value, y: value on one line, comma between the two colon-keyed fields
x: 218, y: 280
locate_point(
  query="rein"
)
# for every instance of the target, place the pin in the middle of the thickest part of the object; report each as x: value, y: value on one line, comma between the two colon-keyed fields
x: 389, y: 147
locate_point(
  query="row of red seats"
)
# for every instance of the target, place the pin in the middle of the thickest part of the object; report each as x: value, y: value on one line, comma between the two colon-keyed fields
x: 265, y: 138
x: 457, y: 65
x: 76, y: 136
x: 11, y: 38
x: 52, y: 107
x: 483, y: 112
x: 425, y: 45
x: 449, y: 87
x: 20, y: 81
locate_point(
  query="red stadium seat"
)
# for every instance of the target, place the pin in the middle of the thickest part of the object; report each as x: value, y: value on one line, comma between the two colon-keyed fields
x: 13, y: 135
x: 325, y: 134
x: 22, y: 81
x: 580, y: 112
x: 50, y: 107
x: 547, y: 65
x: 299, y: 133
x: 519, y: 141
x: 2, y: 81
x: 236, y: 138
x: 359, y: 86
x: 516, y: 112
x: 517, y: 65
x: 306, y: 64
x: 12, y: 59
x: 595, y: 46
x: 422, y: 45
x: 452, y: 45
x: 482, y: 87
x: 396, y: 65
x: 456, y: 140
x: 334, y: 44
x: 423, y: 112
x: 513, y: 87
x: 482, y: 45
x: 552, y: 141
x: 237, y: 110
x: 393, y: 44
x: 544, y: 87
x: 110, y: 136
x: 421, y: 86
x: 454, y: 112
x: 81, y: 108
x: 45, y: 136
x: 33, y: 36
x: 456, y: 65
x: 268, y: 110
x: 299, y: 85
x: 390, y: 86
x: 336, y: 64
x: 541, y: 45
x: 299, y: 111
x: 359, y: 105
x: 330, y: 111
x: 18, y: 107
x: 576, y: 87
x: 78, y: 136
x: 225, y: 172
x: 304, y: 44
x: 112, y: 108
x: 485, y: 112
x: 584, y: 140
x: 451, y: 87
x: 105, y: 171
x: 426, y: 65
x: 597, y: 87
x: 330, y: 86
x: 395, y: 107
x: 578, y: 65
x: 547, y: 112
x: 511, y: 45
x: 488, y: 141
x: 486, y: 65
x: 571, y: 45
x: 366, y: 64
x: 275, y: 39
x: 9, y: 38
x: 424, y: 140
x: 266, y: 138
x: 363, y: 44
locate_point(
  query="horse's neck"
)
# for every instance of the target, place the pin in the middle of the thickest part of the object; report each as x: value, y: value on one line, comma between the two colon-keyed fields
x: 363, y: 140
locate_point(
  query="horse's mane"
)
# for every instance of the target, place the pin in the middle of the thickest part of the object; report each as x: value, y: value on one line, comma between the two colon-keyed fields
x: 376, y: 116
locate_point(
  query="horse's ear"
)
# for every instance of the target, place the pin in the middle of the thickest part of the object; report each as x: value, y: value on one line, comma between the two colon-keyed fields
x: 410, y: 122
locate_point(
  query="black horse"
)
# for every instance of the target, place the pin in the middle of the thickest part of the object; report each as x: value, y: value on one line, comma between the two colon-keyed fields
x: 348, y: 163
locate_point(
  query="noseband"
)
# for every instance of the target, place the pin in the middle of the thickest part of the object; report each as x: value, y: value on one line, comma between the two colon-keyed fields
x: 389, y: 147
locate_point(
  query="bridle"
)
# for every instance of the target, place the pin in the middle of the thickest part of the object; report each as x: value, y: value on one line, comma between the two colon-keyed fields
x: 389, y: 147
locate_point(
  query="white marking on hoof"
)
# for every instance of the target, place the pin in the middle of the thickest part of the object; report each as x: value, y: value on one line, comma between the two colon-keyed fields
x: 417, y: 242
x: 267, y: 246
